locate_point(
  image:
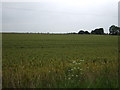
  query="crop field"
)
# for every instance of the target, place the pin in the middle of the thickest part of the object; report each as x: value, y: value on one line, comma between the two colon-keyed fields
x: 59, y: 61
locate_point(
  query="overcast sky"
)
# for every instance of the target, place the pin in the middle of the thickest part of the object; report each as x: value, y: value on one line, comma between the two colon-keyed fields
x: 58, y: 15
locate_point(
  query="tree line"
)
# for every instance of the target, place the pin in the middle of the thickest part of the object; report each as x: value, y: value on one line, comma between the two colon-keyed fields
x: 113, y: 30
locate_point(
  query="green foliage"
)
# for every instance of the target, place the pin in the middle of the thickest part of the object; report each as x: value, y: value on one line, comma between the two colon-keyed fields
x: 98, y: 31
x: 59, y: 61
x: 114, y: 30
x: 83, y: 32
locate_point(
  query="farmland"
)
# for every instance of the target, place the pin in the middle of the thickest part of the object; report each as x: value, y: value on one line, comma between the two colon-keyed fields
x: 59, y: 61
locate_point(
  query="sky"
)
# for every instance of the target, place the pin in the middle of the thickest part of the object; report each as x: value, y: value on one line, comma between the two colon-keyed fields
x: 119, y: 13
x: 58, y: 16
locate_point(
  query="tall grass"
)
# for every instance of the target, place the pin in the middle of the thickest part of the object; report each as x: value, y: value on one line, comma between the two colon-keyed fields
x: 59, y: 61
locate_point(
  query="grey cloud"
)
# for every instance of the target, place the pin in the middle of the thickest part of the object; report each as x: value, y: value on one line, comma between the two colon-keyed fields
x: 49, y: 17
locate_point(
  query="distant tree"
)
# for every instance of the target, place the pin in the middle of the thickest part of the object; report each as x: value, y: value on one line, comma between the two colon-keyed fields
x: 114, y: 30
x: 72, y: 33
x: 92, y: 32
x: 86, y: 32
x: 81, y: 32
x: 98, y: 31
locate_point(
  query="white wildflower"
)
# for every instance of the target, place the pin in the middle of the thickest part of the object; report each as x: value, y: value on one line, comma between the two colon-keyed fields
x: 74, y: 61
x: 49, y: 71
x: 69, y: 70
x: 69, y: 78
x: 81, y: 60
x: 80, y: 69
x: 74, y: 67
x: 76, y: 75
x: 87, y: 67
x: 72, y: 75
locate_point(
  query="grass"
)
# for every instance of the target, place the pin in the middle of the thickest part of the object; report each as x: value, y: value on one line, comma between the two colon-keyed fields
x: 59, y: 61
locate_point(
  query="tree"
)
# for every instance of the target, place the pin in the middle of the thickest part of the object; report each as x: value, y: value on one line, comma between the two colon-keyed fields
x: 81, y: 32
x: 98, y: 31
x: 114, y: 30
x: 92, y: 32
x: 86, y: 32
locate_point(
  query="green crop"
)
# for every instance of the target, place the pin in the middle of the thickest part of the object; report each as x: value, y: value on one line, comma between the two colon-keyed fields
x: 59, y: 61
